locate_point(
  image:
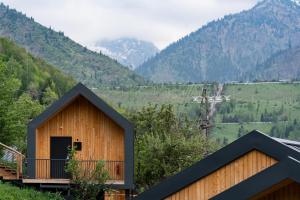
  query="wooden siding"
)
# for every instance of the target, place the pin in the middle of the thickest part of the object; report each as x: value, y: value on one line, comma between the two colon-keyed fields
x: 101, y: 137
x: 225, y: 177
x: 289, y: 191
x: 7, y: 175
x: 115, y: 195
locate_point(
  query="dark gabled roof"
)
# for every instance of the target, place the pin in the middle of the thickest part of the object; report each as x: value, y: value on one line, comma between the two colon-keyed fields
x: 285, y: 169
x: 81, y: 90
x: 252, y: 141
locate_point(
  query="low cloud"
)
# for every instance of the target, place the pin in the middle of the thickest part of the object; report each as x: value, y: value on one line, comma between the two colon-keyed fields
x: 161, y: 22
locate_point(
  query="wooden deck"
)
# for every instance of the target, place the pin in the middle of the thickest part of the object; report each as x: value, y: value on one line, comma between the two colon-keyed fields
x: 63, y: 181
x: 50, y: 181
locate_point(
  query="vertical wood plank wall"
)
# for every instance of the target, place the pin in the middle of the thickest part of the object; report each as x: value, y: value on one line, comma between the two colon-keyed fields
x: 288, y: 192
x: 116, y: 195
x: 226, y: 177
x: 101, y: 137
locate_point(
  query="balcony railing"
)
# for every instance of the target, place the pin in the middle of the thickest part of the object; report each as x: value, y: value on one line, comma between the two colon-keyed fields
x: 55, y: 168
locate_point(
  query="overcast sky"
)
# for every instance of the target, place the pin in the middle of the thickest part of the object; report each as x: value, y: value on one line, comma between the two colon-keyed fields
x: 158, y: 21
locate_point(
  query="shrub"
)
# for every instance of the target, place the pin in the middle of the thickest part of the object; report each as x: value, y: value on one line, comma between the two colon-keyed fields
x: 87, y: 183
x: 9, y: 192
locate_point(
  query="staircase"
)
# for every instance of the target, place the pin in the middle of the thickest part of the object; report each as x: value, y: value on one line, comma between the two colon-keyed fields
x: 7, y: 173
x: 11, y: 162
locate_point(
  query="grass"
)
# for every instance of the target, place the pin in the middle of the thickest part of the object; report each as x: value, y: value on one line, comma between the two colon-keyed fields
x: 270, y: 96
x: 256, y: 99
x: 251, y: 99
x: 9, y: 192
x: 180, y: 96
x: 230, y: 131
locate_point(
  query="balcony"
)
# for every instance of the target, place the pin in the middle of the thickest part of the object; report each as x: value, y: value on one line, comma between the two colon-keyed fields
x: 53, y: 170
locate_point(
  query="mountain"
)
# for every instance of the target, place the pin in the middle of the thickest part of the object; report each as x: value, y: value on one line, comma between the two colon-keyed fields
x: 34, y: 74
x: 284, y: 65
x: 91, y: 68
x: 128, y: 51
x: 233, y: 48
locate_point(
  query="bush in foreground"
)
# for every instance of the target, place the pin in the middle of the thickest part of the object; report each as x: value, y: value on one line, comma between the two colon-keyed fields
x: 9, y: 192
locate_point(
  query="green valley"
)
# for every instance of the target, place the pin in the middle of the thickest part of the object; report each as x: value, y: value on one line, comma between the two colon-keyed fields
x: 273, y: 108
x: 180, y: 96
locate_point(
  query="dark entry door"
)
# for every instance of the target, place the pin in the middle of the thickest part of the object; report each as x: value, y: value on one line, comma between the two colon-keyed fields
x: 58, y: 155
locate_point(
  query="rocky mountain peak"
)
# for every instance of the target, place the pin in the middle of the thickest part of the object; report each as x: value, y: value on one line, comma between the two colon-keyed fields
x: 130, y: 52
x: 235, y: 48
x: 277, y: 3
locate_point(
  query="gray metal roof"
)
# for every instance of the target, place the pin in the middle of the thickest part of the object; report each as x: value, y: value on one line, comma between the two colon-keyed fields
x: 291, y: 143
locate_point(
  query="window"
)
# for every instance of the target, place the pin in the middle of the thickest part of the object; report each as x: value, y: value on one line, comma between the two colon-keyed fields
x: 77, y: 146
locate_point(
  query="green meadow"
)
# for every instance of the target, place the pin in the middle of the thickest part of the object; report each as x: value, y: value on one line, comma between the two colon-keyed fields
x: 260, y: 106
x: 180, y: 96
x: 265, y: 106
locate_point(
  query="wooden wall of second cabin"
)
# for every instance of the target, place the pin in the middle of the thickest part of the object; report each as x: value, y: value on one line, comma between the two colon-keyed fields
x: 115, y: 195
x: 289, y: 191
x: 225, y: 177
x: 101, y: 137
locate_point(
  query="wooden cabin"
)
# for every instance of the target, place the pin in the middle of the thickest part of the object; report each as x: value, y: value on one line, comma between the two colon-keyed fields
x: 254, y: 167
x: 80, y: 119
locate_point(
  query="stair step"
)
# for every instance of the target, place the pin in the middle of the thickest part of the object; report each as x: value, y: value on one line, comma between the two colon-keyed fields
x: 10, y: 178
x: 5, y: 167
x: 10, y: 170
x: 8, y: 174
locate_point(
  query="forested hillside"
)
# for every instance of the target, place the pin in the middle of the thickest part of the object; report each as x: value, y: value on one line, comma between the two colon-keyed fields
x: 89, y: 67
x: 235, y: 48
x: 27, y: 86
x: 283, y: 65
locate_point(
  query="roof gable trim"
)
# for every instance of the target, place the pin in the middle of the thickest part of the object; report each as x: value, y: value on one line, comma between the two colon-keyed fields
x: 81, y: 90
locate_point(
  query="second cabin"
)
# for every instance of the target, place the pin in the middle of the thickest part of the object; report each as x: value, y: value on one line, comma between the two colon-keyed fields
x: 254, y: 167
x: 81, y: 120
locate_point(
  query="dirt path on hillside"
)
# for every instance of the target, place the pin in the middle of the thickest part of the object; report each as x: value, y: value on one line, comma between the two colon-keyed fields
x: 213, y: 103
